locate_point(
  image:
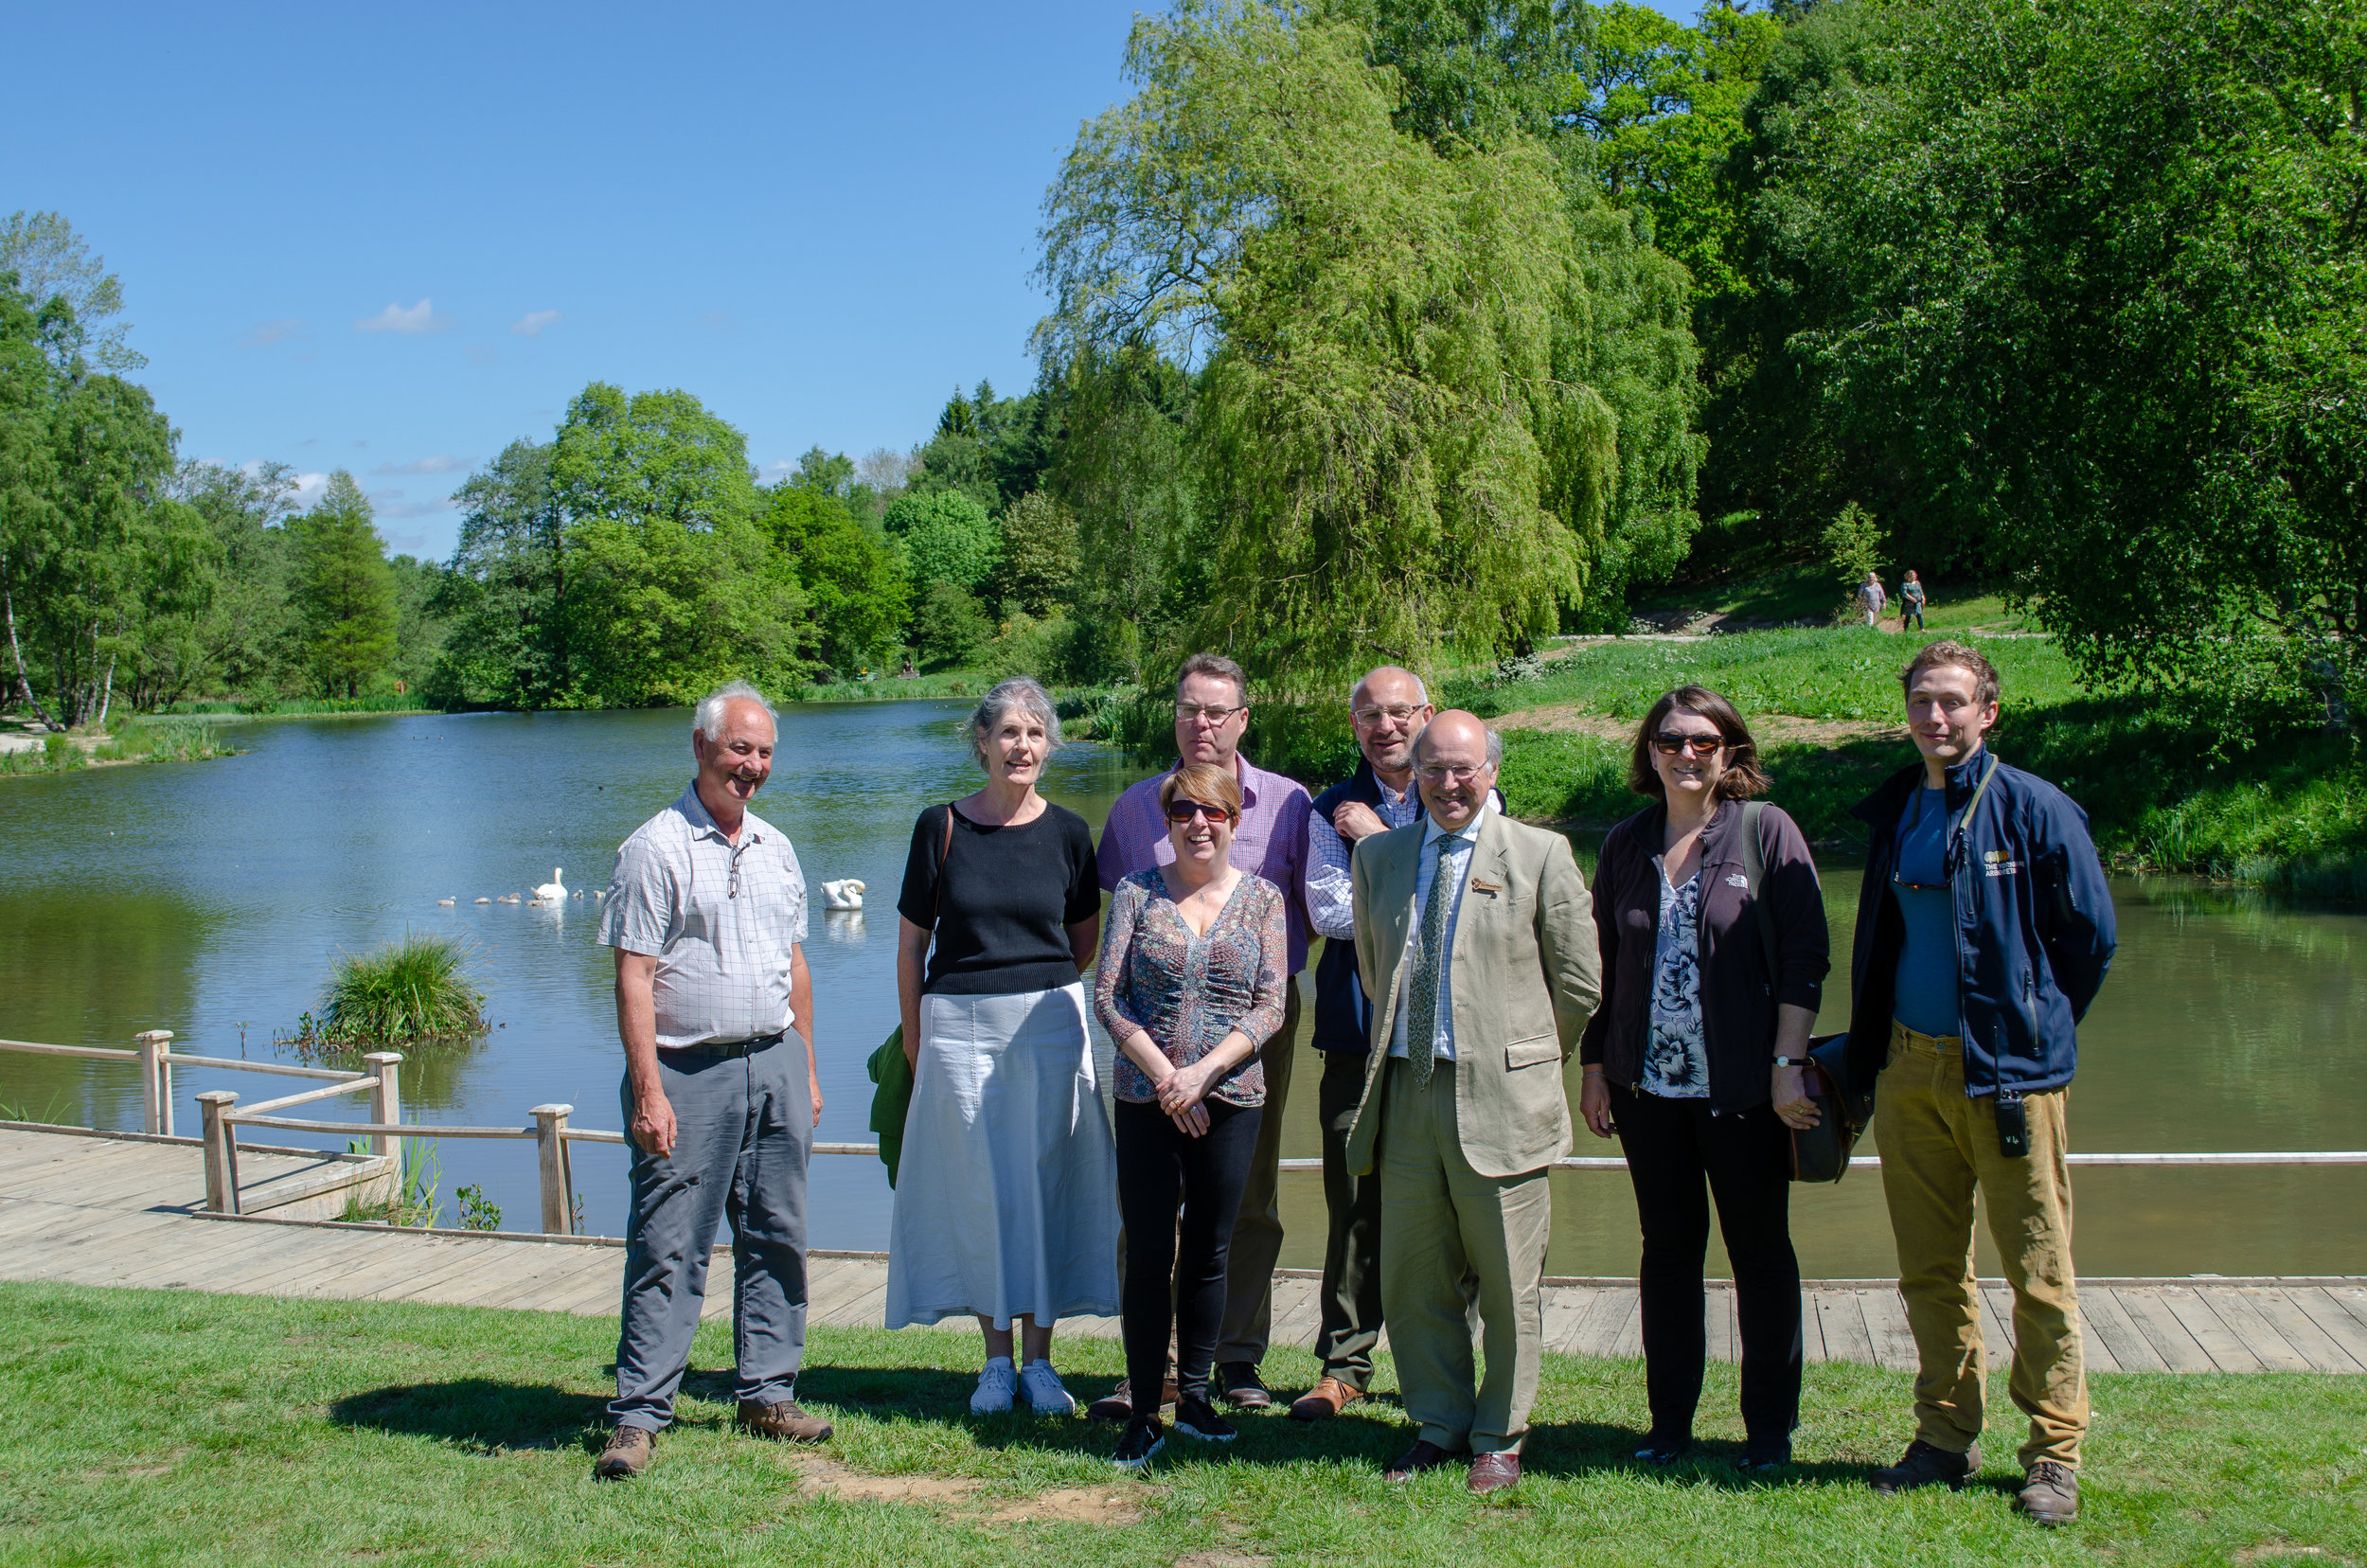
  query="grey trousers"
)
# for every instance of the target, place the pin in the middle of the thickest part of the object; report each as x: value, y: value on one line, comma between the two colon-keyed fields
x: 1440, y: 1222
x: 743, y: 1132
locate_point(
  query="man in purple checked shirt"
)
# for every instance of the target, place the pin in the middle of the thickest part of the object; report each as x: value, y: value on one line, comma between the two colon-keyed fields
x: 1211, y: 714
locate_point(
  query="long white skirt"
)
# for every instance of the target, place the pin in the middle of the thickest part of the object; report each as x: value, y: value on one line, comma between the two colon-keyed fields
x: 1006, y: 1193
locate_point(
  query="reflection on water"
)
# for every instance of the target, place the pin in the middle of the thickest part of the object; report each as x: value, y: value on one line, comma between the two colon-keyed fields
x: 210, y: 898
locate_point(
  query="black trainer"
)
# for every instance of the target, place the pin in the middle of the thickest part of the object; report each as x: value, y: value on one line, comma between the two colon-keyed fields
x: 1659, y: 1450
x: 1199, y: 1418
x: 1925, y: 1465
x: 1141, y: 1441
x: 1760, y: 1457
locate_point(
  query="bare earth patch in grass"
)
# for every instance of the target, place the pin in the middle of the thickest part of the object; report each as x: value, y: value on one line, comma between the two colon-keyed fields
x: 1073, y: 1505
x: 852, y: 1486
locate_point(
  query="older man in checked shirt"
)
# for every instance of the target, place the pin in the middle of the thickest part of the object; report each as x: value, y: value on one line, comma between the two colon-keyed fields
x: 707, y: 911
x: 1211, y: 716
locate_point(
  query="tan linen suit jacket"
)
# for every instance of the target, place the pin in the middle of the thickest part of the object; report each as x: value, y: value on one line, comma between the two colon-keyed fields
x: 1527, y: 978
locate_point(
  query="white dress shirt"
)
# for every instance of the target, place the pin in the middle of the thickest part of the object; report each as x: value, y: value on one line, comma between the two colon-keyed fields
x: 1456, y: 861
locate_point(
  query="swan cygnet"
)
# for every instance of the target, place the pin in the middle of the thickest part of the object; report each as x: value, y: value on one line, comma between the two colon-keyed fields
x: 553, y: 890
x: 485, y: 900
x: 445, y: 902
x: 846, y: 893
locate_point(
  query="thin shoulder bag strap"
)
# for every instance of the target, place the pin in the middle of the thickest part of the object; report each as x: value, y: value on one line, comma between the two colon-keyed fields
x: 1956, y: 833
x: 945, y: 852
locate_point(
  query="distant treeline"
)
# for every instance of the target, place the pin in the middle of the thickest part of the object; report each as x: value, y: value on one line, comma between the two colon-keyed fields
x: 1410, y: 329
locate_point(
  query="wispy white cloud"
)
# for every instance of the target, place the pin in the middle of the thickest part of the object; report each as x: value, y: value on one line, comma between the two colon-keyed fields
x: 422, y: 317
x: 480, y: 353
x: 308, y: 487
x: 441, y: 463
x: 264, y: 333
x: 533, y: 323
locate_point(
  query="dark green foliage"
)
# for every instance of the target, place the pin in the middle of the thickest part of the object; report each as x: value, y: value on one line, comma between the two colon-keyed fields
x: 855, y: 585
x: 343, y: 592
x: 949, y: 626
x: 406, y: 995
x: 1037, y: 571
x: 945, y: 536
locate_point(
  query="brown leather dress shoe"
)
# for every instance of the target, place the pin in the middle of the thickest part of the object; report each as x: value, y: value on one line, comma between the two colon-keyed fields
x: 1424, y: 1456
x: 1324, y: 1401
x: 628, y: 1452
x: 1494, y: 1473
x: 784, y: 1419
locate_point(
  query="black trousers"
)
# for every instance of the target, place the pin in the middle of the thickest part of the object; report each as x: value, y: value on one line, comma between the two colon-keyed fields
x: 1161, y: 1168
x: 1672, y: 1146
x: 1351, y: 1289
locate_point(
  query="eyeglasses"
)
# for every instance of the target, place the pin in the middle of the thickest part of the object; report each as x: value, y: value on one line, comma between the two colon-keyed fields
x: 1215, y: 713
x: 1396, y: 713
x: 1692, y: 745
x: 1181, y: 810
x: 1439, y: 773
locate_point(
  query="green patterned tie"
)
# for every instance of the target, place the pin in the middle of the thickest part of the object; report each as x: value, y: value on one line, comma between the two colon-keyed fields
x: 1421, y: 1030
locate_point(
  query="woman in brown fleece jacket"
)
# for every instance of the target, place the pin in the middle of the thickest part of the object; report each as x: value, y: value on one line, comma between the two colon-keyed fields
x: 1694, y: 1057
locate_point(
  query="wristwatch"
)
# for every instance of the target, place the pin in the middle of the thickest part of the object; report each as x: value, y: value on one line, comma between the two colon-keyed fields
x: 1792, y: 1061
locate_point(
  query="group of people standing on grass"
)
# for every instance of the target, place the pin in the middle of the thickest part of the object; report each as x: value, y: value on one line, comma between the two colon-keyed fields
x: 1466, y: 960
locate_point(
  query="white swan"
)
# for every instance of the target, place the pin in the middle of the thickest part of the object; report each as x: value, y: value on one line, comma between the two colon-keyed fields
x: 553, y: 889
x: 842, y: 895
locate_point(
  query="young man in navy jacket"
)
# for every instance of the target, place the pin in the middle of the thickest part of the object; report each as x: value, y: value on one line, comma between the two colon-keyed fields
x: 1983, y: 932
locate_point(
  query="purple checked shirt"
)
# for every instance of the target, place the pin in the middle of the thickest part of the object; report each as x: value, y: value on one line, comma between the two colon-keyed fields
x: 1271, y: 840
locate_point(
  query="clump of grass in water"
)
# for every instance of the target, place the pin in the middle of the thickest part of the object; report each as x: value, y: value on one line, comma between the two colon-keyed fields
x: 408, y: 994
x: 415, y: 1204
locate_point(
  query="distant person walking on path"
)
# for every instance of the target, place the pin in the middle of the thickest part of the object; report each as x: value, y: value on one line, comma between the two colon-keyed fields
x: 1191, y: 982
x: 1695, y: 1059
x: 1983, y: 932
x: 1871, y: 599
x: 1270, y: 840
x: 1004, y: 1205
x: 1911, y: 603
x: 707, y: 910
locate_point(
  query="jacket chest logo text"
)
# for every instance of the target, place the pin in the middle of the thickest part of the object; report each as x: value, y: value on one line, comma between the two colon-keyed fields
x: 1995, y: 864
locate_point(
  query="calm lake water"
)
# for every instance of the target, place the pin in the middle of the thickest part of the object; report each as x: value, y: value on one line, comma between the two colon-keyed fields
x: 210, y: 898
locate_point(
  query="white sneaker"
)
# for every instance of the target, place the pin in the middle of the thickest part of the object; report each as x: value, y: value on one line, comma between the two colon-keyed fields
x: 995, y: 1387
x: 1045, y: 1396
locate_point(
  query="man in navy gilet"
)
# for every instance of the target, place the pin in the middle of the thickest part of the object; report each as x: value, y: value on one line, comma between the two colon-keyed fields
x: 1389, y: 707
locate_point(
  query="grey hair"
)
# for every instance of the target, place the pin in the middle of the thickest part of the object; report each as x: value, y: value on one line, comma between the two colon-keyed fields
x: 710, y: 722
x: 1419, y: 689
x: 1495, y: 745
x: 1023, y: 692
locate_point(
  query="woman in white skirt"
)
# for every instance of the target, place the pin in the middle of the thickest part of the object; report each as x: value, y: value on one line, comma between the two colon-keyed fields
x: 1006, y: 1200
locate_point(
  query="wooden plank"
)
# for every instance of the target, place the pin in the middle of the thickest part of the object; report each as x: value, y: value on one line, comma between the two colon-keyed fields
x: 1718, y: 1324
x: 2328, y: 1312
x: 2224, y: 1346
x: 537, y: 1275
x: 2162, y: 1330
x: 453, y: 1260
x: 1811, y: 1330
x: 832, y: 1281
x: 2095, y: 1354
x: 1886, y: 1324
x: 1298, y: 1316
x: 54, y: 1179
x: 2106, y: 1320
x: 96, y: 1244
x: 867, y: 1311
x: 192, y: 1259
x: 1997, y: 1325
x: 2315, y: 1346
x: 1599, y: 1329
x: 1627, y: 1343
x: 2351, y: 1300
x: 1843, y: 1321
x: 2239, y: 1309
x: 589, y: 1267
x: 595, y: 1295
x: 1565, y: 1309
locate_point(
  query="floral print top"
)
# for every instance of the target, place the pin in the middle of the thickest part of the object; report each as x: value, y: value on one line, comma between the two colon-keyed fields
x: 1676, y: 1059
x: 1188, y: 993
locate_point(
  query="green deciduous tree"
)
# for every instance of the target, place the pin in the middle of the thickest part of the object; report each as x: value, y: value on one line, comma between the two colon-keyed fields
x: 506, y: 590
x: 1036, y: 574
x: 51, y: 262
x: 855, y: 586
x: 946, y: 536
x: 343, y: 592
x: 1405, y: 432
x: 242, y: 640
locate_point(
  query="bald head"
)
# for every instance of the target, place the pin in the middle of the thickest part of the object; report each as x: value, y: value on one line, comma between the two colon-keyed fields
x: 1389, y: 707
x: 1455, y: 758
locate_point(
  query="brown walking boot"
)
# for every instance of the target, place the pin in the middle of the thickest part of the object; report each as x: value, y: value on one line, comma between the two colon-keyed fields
x: 2050, y: 1493
x: 628, y: 1452
x: 782, y: 1419
x: 1324, y: 1401
x: 1923, y: 1466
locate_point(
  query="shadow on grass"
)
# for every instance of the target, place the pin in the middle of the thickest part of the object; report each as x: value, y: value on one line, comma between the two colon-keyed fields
x: 479, y: 1415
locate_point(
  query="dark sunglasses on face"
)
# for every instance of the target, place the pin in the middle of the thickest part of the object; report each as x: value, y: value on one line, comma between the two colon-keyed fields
x: 1181, y: 810
x: 1696, y: 745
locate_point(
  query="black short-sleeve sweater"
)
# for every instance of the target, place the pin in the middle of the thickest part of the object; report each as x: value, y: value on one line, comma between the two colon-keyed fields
x: 1010, y: 896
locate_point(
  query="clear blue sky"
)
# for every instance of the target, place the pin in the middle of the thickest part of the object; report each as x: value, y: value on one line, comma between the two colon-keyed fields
x: 393, y: 239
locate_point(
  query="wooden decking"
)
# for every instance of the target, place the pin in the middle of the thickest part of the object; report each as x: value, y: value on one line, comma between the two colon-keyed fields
x: 104, y: 1210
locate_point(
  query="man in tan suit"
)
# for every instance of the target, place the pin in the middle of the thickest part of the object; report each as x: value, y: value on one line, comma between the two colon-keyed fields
x: 1475, y: 938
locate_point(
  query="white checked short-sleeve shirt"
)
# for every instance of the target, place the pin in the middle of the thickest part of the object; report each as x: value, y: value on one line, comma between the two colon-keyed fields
x: 720, y: 921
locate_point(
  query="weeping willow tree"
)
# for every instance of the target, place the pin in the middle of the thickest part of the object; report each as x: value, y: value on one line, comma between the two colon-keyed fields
x: 1441, y: 401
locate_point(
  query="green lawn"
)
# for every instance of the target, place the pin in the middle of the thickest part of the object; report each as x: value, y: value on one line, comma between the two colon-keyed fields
x: 172, y: 1428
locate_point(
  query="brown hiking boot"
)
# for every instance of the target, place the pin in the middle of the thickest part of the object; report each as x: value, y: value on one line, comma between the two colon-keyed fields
x: 628, y: 1452
x: 2051, y: 1494
x: 1118, y: 1404
x: 1324, y: 1401
x: 1926, y: 1466
x: 783, y: 1419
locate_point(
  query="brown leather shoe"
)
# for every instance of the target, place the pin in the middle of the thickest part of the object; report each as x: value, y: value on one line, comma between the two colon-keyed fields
x: 782, y: 1419
x: 1424, y: 1456
x: 1324, y: 1401
x: 1494, y: 1473
x: 2050, y: 1493
x: 628, y: 1452
x: 1118, y: 1404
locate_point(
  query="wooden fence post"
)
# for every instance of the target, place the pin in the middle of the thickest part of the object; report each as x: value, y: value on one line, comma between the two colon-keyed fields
x: 386, y: 1107
x: 550, y: 1145
x: 156, y: 1079
x: 221, y: 1151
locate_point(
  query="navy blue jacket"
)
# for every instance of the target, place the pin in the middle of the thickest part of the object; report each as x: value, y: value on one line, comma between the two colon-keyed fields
x: 2034, y: 928
x: 1342, y: 1015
